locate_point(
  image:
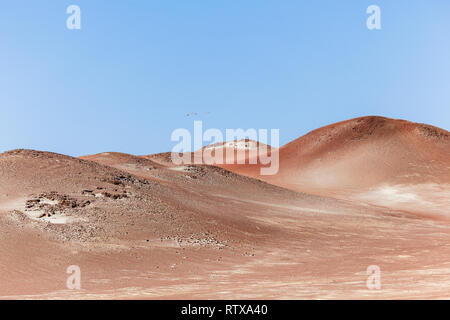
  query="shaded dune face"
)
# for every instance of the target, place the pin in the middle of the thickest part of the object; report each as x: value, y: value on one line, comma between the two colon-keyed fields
x: 118, y: 196
x: 85, y: 201
x: 378, y: 160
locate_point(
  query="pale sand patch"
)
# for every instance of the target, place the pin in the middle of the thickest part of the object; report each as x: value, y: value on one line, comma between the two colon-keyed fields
x: 182, y: 168
x: 48, y: 201
x: 37, y: 215
x: 13, y: 204
x: 425, y: 198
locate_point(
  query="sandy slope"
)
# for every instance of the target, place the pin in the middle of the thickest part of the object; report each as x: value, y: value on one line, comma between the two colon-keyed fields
x: 387, y: 162
x: 140, y: 227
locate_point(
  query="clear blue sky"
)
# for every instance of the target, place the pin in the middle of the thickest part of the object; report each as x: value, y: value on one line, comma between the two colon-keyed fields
x: 128, y: 78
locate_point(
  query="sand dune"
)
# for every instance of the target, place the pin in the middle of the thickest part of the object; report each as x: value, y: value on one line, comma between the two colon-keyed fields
x: 383, y: 161
x: 142, y: 227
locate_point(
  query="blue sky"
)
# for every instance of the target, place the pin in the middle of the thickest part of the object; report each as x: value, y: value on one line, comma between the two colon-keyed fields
x: 128, y: 78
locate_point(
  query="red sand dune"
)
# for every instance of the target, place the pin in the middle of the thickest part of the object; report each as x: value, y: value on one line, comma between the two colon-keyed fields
x: 141, y: 227
x: 393, y: 163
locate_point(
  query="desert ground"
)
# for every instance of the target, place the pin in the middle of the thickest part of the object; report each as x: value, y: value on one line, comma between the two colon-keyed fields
x: 367, y: 191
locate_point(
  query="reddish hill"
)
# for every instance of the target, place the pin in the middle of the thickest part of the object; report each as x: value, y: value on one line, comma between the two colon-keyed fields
x: 381, y: 160
x: 140, y: 228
